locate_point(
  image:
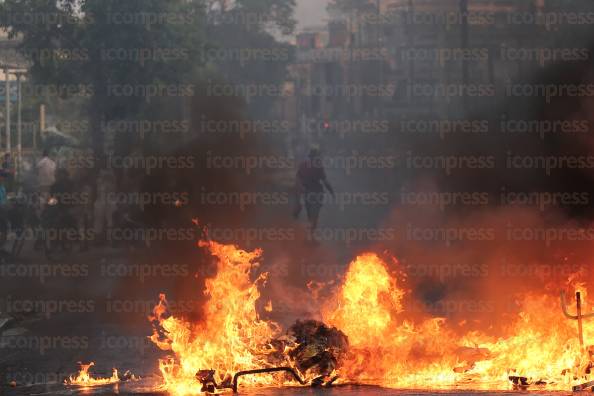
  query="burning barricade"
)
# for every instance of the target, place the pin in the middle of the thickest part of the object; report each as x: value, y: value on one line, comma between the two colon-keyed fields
x: 364, y: 338
x: 235, y: 343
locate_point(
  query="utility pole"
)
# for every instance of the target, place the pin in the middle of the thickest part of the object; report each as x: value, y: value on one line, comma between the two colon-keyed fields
x: 19, y: 75
x: 378, y: 44
x: 7, y: 110
x: 41, y: 118
x: 464, y: 42
x: 410, y: 33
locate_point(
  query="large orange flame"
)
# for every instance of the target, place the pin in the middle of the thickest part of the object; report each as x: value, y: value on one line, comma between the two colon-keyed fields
x: 232, y: 336
x: 541, y: 345
x: 387, y: 347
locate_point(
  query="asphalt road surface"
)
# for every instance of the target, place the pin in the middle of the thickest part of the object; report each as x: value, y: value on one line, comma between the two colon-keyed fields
x: 141, y: 388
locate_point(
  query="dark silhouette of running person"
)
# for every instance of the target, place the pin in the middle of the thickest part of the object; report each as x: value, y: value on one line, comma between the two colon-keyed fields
x: 311, y: 181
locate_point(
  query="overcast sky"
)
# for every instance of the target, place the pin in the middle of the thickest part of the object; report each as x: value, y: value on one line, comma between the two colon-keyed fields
x: 311, y: 12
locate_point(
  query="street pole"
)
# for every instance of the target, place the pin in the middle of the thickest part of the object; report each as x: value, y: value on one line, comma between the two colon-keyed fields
x: 7, y: 109
x: 464, y: 45
x: 378, y: 43
x: 41, y: 123
x: 19, y: 127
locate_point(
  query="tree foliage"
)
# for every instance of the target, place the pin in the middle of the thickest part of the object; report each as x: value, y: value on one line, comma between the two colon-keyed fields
x: 96, y: 45
x: 275, y: 15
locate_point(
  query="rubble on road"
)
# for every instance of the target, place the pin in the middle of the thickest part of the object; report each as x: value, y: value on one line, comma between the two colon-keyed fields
x: 320, y: 347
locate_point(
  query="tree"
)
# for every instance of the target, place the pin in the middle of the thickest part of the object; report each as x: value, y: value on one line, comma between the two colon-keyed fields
x: 252, y: 26
x: 264, y: 14
x: 350, y: 6
x: 112, y: 51
x: 93, y: 28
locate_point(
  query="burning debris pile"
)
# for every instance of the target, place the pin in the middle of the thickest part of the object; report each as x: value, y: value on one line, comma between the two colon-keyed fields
x: 319, y: 350
x: 366, y: 337
x: 313, y: 349
x: 233, y: 341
